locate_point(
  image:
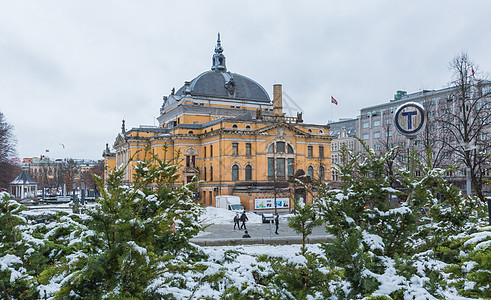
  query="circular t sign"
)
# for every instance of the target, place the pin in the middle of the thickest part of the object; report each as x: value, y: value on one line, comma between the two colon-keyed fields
x: 410, y: 118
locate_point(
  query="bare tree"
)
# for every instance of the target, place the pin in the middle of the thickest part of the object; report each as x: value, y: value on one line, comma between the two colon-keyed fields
x: 466, y: 120
x: 8, y: 168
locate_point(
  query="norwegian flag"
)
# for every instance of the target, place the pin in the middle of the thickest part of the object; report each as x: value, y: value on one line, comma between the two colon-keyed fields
x: 334, y: 100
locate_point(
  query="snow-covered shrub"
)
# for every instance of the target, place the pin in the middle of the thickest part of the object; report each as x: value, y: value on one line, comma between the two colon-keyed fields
x: 134, y: 242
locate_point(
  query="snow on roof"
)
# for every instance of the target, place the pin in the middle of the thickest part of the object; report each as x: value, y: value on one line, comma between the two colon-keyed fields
x: 23, y: 179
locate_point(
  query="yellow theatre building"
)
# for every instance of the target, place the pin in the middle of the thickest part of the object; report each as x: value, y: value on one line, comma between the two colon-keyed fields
x: 234, y: 138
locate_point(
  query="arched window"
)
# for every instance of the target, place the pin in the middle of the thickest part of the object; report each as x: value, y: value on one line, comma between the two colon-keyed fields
x: 235, y: 173
x: 190, y: 132
x: 248, y: 127
x: 321, y: 131
x: 281, y: 160
x: 234, y: 126
x: 248, y: 172
x: 310, y: 172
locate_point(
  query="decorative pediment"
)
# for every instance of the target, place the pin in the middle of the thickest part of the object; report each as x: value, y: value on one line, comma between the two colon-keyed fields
x: 282, y: 129
x: 119, y: 140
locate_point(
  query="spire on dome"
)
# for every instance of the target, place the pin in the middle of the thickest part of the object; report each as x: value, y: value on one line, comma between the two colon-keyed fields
x: 218, y: 60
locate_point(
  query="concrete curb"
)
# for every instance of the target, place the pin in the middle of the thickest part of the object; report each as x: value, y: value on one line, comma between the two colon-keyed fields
x: 254, y: 241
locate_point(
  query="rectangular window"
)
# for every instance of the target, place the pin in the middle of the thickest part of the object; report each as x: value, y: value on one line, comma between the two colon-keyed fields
x: 321, y: 151
x: 376, y: 147
x: 388, y: 133
x: 280, y: 168
x: 366, y: 125
x: 376, y: 123
x: 388, y: 121
x: 310, y: 151
x: 366, y: 136
x: 235, y: 149
x: 376, y: 135
x: 270, y: 168
x: 248, y: 149
x: 291, y: 167
x: 211, y: 150
x: 204, y: 152
x: 334, y: 146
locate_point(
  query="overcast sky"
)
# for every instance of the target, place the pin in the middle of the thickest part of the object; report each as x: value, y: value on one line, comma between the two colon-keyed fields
x: 70, y: 71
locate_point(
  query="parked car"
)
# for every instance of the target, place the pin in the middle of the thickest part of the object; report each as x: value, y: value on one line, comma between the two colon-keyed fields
x: 267, y: 217
x: 28, y: 202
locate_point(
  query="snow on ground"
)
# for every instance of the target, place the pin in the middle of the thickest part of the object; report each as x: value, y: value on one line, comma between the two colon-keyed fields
x: 215, y: 215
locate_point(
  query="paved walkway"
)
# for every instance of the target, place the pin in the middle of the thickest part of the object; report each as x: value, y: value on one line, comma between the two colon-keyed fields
x: 224, y: 234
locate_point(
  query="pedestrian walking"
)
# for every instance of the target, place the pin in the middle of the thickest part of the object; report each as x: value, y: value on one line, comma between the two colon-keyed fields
x: 237, y: 221
x: 277, y: 223
x: 246, y: 234
x: 243, y: 219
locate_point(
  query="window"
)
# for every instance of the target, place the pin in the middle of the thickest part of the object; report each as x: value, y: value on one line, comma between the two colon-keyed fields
x: 310, y: 171
x: 321, y: 172
x: 366, y: 125
x: 211, y: 174
x: 334, y: 158
x: 235, y: 149
x: 376, y: 123
x: 235, y: 173
x: 366, y: 136
x: 310, y: 150
x: 289, y: 149
x: 271, y: 168
x: 376, y: 135
x: 321, y: 151
x: 190, y: 161
x: 248, y: 148
x: 280, y: 147
x: 388, y: 133
x: 248, y: 127
x: 334, y: 146
x: 204, y: 152
x: 388, y: 121
x: 376, y: 147
x: 211, y: 150
x: 234, y: 126
x: 204, y: 173
x: 248, y: 172
x: 291, y: 166
x: 280, y: 168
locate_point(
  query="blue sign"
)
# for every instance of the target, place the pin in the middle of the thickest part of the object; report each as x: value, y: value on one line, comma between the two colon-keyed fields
x: 410, y: 118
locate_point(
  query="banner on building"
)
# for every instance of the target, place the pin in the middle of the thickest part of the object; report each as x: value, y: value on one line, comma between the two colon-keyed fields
x: 268, y: 203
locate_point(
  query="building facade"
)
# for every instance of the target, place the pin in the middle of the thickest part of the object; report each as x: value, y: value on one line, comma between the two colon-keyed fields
x: 232, y: 137
x: 444, y: 132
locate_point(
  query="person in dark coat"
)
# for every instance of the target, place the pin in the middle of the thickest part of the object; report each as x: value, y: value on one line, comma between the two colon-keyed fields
x: 277, y: 223
x: 246, y: 234
x: 243, y: 219
x: 237, y: 221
